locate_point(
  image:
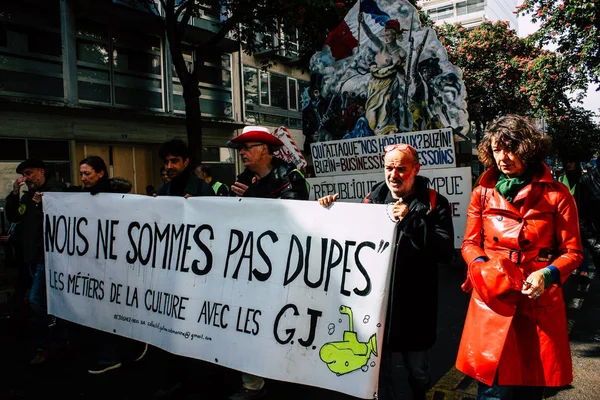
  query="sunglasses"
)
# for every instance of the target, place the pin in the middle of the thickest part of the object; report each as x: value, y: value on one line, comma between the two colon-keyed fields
x: 401, y: 147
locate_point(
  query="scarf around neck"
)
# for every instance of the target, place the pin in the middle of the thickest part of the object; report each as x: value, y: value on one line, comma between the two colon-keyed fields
x: 509, y: 187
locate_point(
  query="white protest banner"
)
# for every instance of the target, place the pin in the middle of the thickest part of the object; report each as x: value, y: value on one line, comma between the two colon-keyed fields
x: 364, y: 155
x: 282, y: 289
x: 453, y: 183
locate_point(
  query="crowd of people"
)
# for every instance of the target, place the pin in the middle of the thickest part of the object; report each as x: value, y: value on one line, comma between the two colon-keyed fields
x: 523, y: 239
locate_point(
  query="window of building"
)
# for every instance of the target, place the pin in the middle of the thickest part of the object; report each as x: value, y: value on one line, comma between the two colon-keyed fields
x: 94, y: 72
x: 265, y: 98
x: 31, y: 51
x: 137, y: 70
x: 216, y: 93
x: 444, y: 12
x: 250, y: 85
x: 118, y: 67
x: 279, y: 91
x: 475, y: 6
x: 291, y: 46
x: 293, y: 94
x: 55, y: 154
x: 272, y: 99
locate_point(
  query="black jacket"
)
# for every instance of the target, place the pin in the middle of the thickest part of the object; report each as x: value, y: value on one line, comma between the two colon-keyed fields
x: 283, y: 182
x: 110, y: 185
x: 31, y: 219
x: 186, y: 183
x: 425, y: 238
x: 587, y: 195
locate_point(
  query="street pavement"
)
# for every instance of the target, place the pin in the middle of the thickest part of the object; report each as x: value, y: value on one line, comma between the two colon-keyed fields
x: 66, y: 376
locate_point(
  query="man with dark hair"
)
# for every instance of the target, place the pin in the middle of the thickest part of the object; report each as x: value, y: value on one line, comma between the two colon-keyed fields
x: 26, y: 209
x: 203, y: 172
x: 265, y: 176
x: 183, y: 182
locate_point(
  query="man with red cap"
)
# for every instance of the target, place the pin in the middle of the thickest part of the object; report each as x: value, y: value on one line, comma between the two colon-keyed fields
x: 265, y: 176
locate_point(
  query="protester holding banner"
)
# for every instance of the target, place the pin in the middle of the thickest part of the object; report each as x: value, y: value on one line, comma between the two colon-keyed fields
x: 265, y: 176
x: 109, y: 350
x: 26, y: 209
x: 424, y: 239
x: 521, y: 243
x: 183, y: 181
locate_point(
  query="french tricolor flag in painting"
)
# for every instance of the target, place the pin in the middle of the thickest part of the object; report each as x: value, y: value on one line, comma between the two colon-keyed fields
x: 342, y: 40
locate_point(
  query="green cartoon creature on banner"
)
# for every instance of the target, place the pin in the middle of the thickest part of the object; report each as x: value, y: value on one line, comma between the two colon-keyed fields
x: 349, y: 354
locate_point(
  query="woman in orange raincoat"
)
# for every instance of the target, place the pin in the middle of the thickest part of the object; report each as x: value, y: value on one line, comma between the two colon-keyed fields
x: 521, y: 243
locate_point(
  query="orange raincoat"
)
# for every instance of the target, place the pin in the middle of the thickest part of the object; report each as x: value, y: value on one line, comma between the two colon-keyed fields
x: 540, y: 227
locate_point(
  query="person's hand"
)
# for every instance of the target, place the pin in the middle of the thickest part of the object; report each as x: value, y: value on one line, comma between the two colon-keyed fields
x: 17, y: 185
x: 239, y: 188
x: 154, y: 195
x: 187, y: 196
x: 328, y: 200
x: 37, y: 198
x: 533, y: 287
x: 399, y: 210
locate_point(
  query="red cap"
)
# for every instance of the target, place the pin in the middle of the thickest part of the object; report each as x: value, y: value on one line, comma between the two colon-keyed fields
x: 392, y: 24
x: 498, y: 283
x: 255, y: 134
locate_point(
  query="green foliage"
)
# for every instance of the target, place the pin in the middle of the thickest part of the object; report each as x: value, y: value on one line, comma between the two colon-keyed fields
x: 576, y: 136
x: 573, y: 26
x: 506, y: 74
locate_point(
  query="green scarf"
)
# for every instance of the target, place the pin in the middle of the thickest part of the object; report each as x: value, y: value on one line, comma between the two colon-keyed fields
x: 509, y: 187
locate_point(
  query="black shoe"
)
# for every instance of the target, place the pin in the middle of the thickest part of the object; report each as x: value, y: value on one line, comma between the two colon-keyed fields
x: 247, y: 394
x: 99, y: 368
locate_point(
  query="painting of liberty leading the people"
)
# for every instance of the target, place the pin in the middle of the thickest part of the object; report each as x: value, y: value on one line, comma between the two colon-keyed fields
x: 381, y: 73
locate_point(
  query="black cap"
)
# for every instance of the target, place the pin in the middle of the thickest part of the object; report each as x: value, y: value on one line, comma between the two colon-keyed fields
x: 31, y: 163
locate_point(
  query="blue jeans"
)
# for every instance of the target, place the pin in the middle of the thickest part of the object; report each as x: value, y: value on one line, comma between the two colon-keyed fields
x: 48, y: 328
x: 37, y: 294
x: 497, y: 392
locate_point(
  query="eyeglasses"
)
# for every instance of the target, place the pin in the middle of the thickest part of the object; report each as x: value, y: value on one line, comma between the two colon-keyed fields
x: 249, y: 146
x: 401, y: 147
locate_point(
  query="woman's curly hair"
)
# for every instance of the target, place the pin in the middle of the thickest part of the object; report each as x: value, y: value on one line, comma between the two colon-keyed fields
x: 515, y: 134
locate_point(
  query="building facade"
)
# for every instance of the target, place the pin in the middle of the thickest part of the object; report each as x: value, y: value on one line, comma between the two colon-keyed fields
x: 94, y: 77
x: 471, y: 13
